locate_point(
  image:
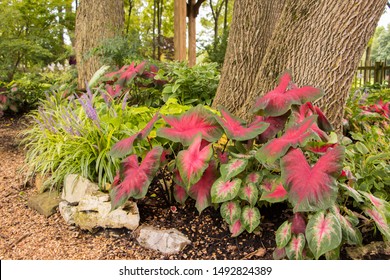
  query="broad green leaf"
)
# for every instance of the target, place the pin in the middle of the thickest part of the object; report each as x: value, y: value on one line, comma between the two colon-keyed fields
x: 236, y: 228
x: 283, y: 234
x: 250, y: 218
x: 295, y: 247
x: 222, y: 190
x: 231, y: 211
x: 250, y: 193
x: 233, y: 168
x: 350, y: 233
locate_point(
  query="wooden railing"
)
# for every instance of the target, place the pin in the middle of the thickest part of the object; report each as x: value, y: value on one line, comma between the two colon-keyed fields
x: 379, y: 73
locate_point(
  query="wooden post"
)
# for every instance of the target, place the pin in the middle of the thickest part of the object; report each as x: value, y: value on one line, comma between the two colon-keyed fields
x: 192, y: 33
x: 180, y: 14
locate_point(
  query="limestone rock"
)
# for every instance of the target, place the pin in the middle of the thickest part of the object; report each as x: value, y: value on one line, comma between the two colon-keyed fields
x: 45, y: 203
x: 76, y: 187
x: 167, y: 241
x: 67, y: 212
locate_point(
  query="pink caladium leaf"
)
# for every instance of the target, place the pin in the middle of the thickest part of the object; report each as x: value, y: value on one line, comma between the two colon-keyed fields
x: 323, y: 233
x: 250, y: 218
x: 380, y: 221
x: 236, y: 129
x: 378, y: 203
x: 135, y: 179
x: 185, y: 127
x: 298, y: 224
x: 319, y: 147
x: 283, y: 234
x: 225, y: 190
x: 250, y: 193
x: 352, y: 192
x: 125, y: 146
x: 236, y: 228
x: 350, y: 233
x: 279, y: 253
x: 130, y: 72
x: 200, y: 191
x: 294, y: 249
x: 276, y: 124
x: 297, y: 135
x: 223, y: 157
x: 231, y: 211
x: 253, y: 178
x: 193, y: 162
x: 233, y: 168
x: 279, y: 101
x: 312, y: 188
x: 180, y: 194
x: 273, y: 191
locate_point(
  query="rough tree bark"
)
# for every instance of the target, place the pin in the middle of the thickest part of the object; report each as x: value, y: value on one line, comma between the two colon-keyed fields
x: 321, y: 42
x: 96, y: 20
x: 250, y: 31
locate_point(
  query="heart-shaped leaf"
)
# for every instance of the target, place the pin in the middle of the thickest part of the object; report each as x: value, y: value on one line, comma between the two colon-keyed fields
x: 231, y: 211
x: 298, y: 224
x: 236, y: 228
x: 351, y: 234
x: 294, y: 249
x: 273, y: 191
x: 250, y: 193
x: 312, y: 188
x: 283, y: 234
x: 233, y: 168
x: 135, y: 179
x: 276, y: 124
x: 193, y: 162
x: 225, y: 190
x: 253, y: 177
x: 279, y: 253
x: 180, y: 194
x: 323, y: 233
x: 236, y: 128
x: 250, y: 218
x: 186, y: 126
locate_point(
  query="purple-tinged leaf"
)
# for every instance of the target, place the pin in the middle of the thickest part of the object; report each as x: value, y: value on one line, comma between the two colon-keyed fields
x: 223, y: 157
x: 294, y: 249
x: 236, y: 228
x: 231, y: 211
x: 351, y: 234
x: 250, y: 193
x: 236, y: 129
x: 298, y: 224
x: 380, y: 221
x: 186, y: 126
x: 253, y: 178
x: 200, y: 191
x: 283, y: 234
x: 250, y: 218
x: 352, y: 193
x: 125, y: 146
x: 193, y: 162
x: 276, y: 124
x: 180, y: 194
x: 233, y: 168
x: 312, y: 188
x: 323, y: 233
x: 135, y: 179
x: 222, y: 190
x: 113, y: 90
x: 279, y: 253
x: 279, y: 101
x: 297, y: 135
x: 273, y: 192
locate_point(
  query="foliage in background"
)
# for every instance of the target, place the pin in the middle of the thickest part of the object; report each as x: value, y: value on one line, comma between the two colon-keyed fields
x: 216, y: 52
x: 381, y: 44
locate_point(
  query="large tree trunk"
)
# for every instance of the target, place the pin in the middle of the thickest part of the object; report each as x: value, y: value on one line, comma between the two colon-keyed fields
x: 250, y: 31
x: 321, y: 42
x: 96, y: 20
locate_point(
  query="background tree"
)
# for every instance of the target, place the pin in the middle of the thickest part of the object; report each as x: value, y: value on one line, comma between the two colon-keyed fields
x: 380, y: 47
x: 96, y: 20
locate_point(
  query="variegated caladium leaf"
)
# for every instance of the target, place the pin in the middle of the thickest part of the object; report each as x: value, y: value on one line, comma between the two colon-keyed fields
x: 297, y: 135
x: 236, y: 228
x: 279, y: 101
x: 250, y: 218
x: 200, y: 191
x: 283, y: 234
x: 380, y: 221
x: 298, y: 224
x: 233, y: 168
x: 130, y: 72
x: 333, y: 254
x: 236, y: 129
x: 225, y: 190
x: 135, y: 179
x: 323, y: 233
x: 185, y: 127
x: 253, y: 177
x: 294, y: 249
x: 231, y: 211
x: 352, y: 192
x: 279, y: 253
x: 250, y: 193
x: 378, y: 203
x: 350, y: 233
x: 125, y: 146
x: 180, y: 194
x: 312, y: 188
x: 193, y: 162
x: 273, y: 191
x: 276, y: 124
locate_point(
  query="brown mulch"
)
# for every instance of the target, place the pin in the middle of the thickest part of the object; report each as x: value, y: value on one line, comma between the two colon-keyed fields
x: 25, y: 234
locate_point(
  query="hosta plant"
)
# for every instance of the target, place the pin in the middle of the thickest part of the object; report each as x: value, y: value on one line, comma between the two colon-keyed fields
x: 288, y: 153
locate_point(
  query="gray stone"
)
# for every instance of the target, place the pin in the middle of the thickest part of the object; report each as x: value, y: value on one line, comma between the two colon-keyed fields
x: 67, y: 211
x: 167, y: 241
x: 76, y: 187
x: 45, y: 203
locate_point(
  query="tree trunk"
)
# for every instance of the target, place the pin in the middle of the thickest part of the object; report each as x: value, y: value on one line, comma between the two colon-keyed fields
x: 96, y: 20
x: 250, y: 31
x: 180, y: 14
x: 321, y: 42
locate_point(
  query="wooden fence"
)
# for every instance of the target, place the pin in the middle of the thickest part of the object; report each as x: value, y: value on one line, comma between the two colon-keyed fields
x: 379, y: 73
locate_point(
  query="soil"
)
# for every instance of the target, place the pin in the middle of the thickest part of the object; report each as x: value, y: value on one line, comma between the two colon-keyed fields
x: 25, y: 234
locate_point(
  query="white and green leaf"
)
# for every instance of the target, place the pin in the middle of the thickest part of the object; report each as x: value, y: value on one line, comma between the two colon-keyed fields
x: 231, y: 211
x: 225, y: 190
x: 283, y: 234
x: 250, y: 193
x: 250, y: 218
x: 233, y: 168
x: 295, y: 247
